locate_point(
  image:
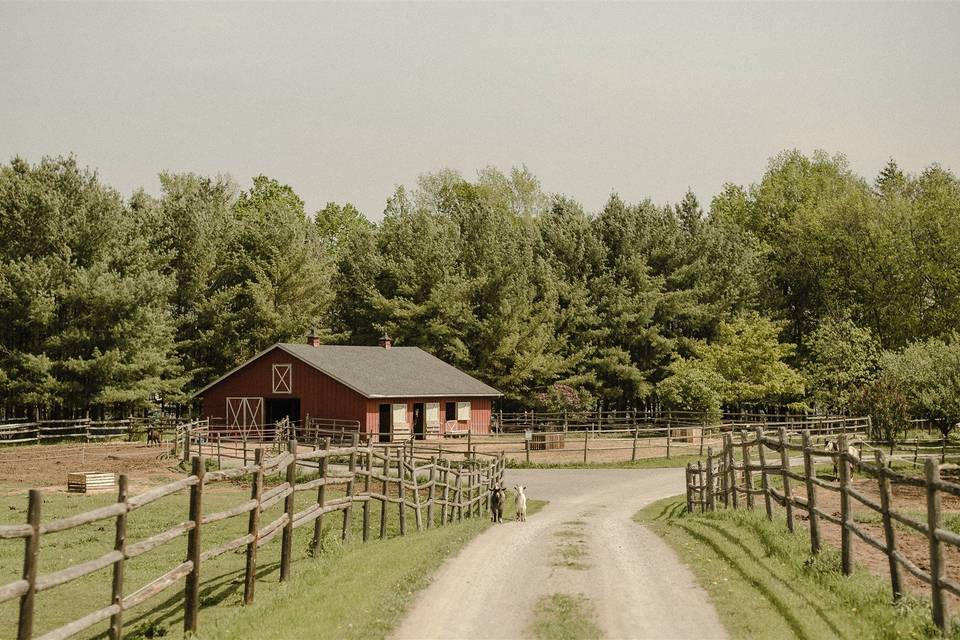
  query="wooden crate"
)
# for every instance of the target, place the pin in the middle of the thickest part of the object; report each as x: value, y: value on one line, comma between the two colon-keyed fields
x: 90, y: 481
x: 545, y: 441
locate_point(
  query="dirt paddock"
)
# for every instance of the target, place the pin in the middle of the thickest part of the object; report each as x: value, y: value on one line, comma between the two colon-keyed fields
x: 46, y: 466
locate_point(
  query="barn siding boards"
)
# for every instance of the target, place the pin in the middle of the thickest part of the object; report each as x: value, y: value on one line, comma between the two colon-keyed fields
x: 320, y: 395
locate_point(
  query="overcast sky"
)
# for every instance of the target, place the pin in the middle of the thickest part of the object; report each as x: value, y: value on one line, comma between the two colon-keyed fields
x: 345, y: 101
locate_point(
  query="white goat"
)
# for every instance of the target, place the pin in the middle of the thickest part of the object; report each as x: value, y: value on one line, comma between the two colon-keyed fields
x: 521, y: 503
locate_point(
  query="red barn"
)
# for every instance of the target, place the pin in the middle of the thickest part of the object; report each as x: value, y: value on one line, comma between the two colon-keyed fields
x: 390, y: 391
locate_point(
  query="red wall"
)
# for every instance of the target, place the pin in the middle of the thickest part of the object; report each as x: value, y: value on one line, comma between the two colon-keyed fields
x: 480, y: 410
x: 320, y: 395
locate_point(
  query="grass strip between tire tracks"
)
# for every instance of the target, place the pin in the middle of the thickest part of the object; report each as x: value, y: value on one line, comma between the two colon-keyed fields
x: 764, y: 582
x: 562, y: 616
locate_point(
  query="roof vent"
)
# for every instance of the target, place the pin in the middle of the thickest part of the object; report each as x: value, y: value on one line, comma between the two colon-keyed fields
x: 313, y: 339
x: 385, y: 341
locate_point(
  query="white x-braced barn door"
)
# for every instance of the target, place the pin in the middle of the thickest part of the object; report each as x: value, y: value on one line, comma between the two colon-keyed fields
x: 245, y: 414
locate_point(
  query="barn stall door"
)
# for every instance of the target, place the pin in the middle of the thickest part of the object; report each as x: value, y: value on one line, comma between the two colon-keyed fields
x: 245, y: 415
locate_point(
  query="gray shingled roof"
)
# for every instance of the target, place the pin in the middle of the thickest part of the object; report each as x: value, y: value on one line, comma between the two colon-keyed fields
x: 398, y: 371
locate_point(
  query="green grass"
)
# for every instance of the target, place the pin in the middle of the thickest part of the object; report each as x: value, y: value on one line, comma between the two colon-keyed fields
x: 642, y: 463
x: 561, y: 616
x: 765, y: 584
x: 221, y: 578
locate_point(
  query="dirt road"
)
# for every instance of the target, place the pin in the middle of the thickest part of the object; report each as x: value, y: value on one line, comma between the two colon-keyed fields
x: 583, y: 542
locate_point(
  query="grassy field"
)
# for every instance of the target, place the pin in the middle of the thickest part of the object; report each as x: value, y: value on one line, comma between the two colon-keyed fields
x: 765, y: 584
x: 222, y: 578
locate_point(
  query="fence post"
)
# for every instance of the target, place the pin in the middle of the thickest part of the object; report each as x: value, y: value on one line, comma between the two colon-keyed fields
x: 636, y: 434
x: 723, y: 470
x: 710, y: 501
x: 702, y: 429
x: 810, y: 473
x: 732, y: 469
x: 351, y: 487
x: 286, y: 545
x: 764, y: 481
x: 747, y: 473
x: 937, y: 561
x: 586, y: 437
x: 191, y: 592
x: 366, y: 490
x: 253, y: 528
x: 668, y: 435
x: 186, y: 444
x: 846, y: 539
x: 689, y: 487
x: 119, y: 544
x: 700, y: 500
x: 526, y: 444
x: 459, y: 491
x: 445, y: 474
x: 385, y: 488
x: 403, y: 494
x: 888, y: 532
x: 417, y: 511
x: 219, y: 459
x: 785, y: 477
x: 30, y: 557
x: 432, y: 491
x: 322, y: 465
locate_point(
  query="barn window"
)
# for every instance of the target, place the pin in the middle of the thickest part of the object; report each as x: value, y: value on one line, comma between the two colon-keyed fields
x: 283, y: 378
x: 399, y: 414
x: 451, y: 411
x: 433, y: 412
x: 463, y: 411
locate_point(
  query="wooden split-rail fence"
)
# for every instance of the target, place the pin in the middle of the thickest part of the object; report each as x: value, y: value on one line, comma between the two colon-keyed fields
x: 729, y: 479
x: 400, y: 476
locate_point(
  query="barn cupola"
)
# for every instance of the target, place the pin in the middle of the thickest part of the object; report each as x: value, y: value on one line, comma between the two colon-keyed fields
x: 385, y: 341
x: 313, y: 339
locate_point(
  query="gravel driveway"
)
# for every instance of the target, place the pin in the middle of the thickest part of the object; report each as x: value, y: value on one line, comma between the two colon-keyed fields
x: 637, y: 586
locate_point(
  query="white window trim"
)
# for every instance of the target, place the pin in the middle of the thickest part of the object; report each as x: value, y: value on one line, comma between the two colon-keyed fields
x: 463, y: 411
x: 282, y: 378
x: 432, y: 413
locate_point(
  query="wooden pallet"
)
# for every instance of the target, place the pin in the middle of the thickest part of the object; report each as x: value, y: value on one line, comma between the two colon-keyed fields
x: 90, y: 481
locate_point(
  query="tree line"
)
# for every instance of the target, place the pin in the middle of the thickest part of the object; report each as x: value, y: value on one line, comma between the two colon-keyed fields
x: 811, y: 289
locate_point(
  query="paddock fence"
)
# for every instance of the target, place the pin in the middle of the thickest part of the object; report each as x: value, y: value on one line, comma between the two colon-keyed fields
x: 729, y: 479
x: 432, y: 490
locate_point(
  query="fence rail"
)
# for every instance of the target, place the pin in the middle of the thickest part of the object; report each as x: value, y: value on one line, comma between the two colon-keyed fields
x: 392, y: 475
x: 728, y: 482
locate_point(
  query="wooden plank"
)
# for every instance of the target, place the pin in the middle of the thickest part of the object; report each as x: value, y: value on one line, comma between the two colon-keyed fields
x: 30, y: 556
x: 120, y: 546
x: 890, y: 540
x: 139, y: 548
x: 938, y: 569
x: 785, y: 476
x: 80, y: 624
x: 109, y: 511
x: 286, y: 548
x: 191, y: 592
x: 157, y: 586
x: 764, y: 481
x: 253, y: 528
x: 810, y: 473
